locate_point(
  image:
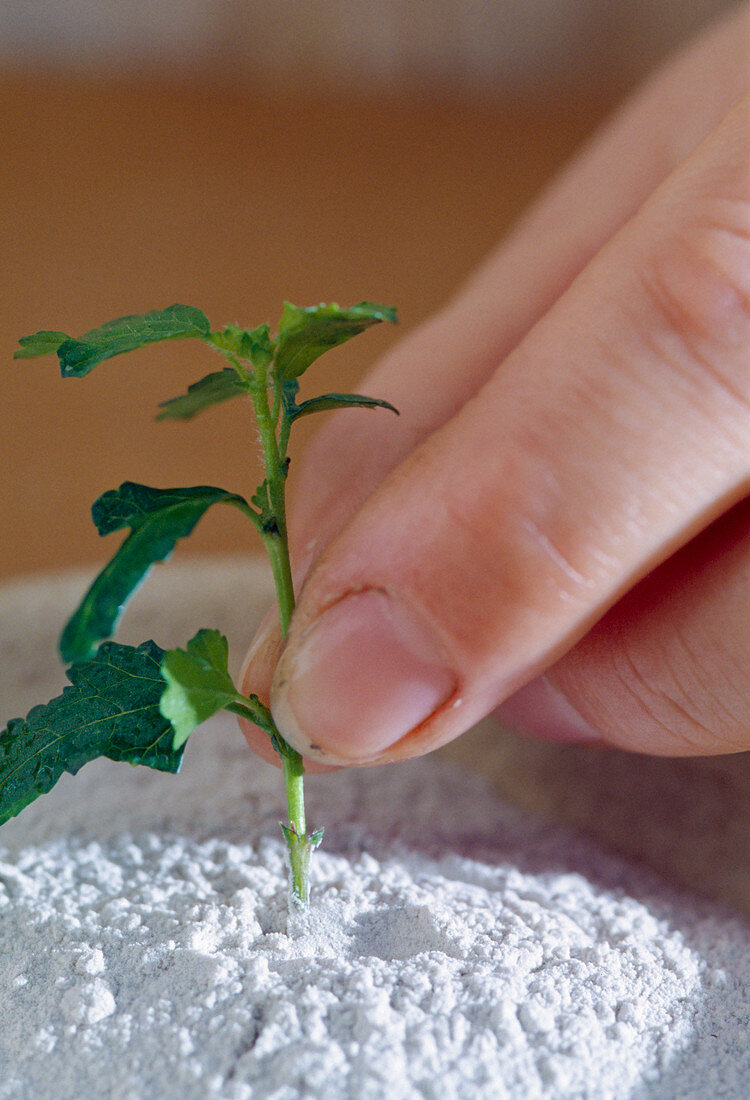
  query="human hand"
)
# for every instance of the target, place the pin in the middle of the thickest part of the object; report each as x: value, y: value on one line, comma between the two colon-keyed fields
x: 560, y: 520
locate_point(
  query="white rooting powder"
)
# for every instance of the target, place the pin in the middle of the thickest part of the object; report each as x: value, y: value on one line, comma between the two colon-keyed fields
x: 455, y: 947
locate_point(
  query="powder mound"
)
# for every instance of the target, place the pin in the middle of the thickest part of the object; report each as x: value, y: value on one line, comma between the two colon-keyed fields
x: 454, y: 949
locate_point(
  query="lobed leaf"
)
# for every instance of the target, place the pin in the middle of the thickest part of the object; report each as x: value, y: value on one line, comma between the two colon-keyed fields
x: 261, y: 501
x: 305, y: 334
x: 199, y: 686
x: 216, y: 387
x: 198, y: 683
x: 329, y: 401
x: 111, y: 708
x: 78, y: 356
x: 158, y: 518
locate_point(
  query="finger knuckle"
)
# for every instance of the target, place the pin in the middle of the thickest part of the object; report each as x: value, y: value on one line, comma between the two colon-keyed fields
x: 698, y: 283
x: 685, y: 699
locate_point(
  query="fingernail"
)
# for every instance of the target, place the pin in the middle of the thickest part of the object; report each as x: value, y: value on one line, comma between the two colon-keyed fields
x: 365, y: 674
x: 540, y: 710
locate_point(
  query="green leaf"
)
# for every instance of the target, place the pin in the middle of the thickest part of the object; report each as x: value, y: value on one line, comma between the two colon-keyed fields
x: 111, y: 709
x: 158, y: 518
x: 338, y: 401
x: 254, y: 345
x: 79, y: 356
x: 305, y: 334
x: 199, y: 684
x: 261, y: 500
x: 210, y: 390
x: 40, y: 343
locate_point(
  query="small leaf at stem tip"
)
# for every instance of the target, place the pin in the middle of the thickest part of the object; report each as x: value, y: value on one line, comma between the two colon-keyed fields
x: 305, y: 334
x: 339, y: 401
x: 158, y: 518
x: 80, y: 355
x: 198, y: 683
x: 216, y: 387
x: 111, y: 708
x: 253, y: 345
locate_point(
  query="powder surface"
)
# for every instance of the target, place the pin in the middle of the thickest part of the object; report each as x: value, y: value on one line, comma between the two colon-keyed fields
x: 455, y: 948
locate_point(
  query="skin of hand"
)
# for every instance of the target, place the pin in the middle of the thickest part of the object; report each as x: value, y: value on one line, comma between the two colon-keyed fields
x: 558, y: 525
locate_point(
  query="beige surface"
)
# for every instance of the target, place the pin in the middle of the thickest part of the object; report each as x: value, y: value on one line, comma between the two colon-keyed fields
x: 688, y: 819
x: 121, y: 197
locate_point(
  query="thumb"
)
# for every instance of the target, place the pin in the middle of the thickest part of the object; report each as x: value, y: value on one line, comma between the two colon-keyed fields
x: 496, y: 545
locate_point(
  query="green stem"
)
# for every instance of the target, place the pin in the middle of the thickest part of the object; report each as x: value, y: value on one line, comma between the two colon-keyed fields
x: 276, y: 407
x: 293, y: 773
x: 286, y: 423
x: 278, y: 555
x: 299, y: 845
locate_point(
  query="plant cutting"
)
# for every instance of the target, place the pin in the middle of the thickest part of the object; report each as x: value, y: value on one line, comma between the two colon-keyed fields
x: 141, y: 703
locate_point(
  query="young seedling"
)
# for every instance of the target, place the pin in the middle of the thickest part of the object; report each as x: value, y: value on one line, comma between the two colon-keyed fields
x: 140, y: 704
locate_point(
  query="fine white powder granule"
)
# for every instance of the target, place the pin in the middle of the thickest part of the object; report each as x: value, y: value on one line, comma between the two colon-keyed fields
x: 455, y: 948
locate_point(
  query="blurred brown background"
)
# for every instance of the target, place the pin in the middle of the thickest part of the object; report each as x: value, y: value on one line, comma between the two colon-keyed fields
x: 229, y: 155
